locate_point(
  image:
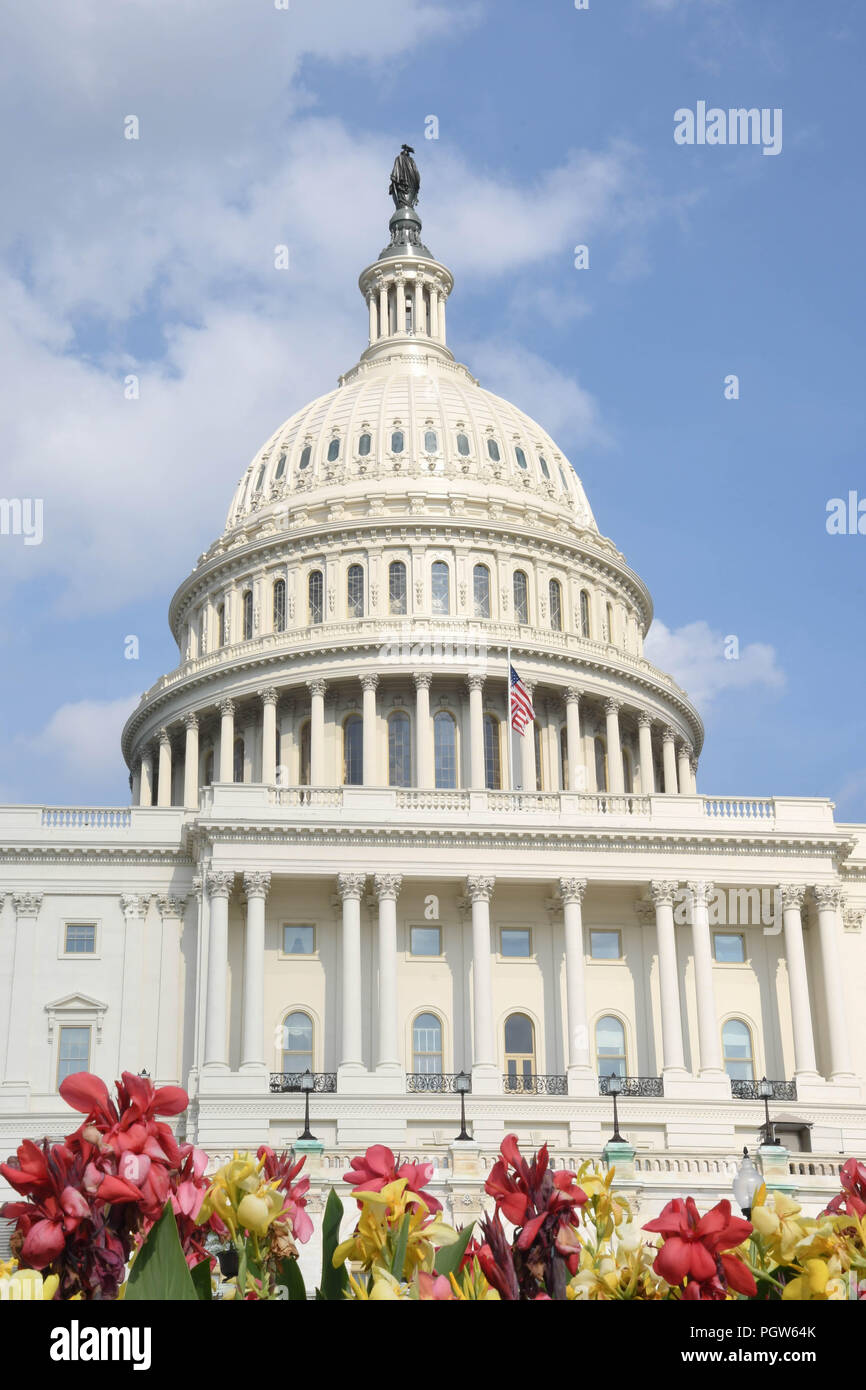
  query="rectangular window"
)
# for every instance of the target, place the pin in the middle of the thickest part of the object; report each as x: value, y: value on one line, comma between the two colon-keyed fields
x: 729, y: 948
x: 73, y: 1053
x: 80, y: 938
x: 605, y: 945
x: 298, y: 940
x: 425, y: 941
x: 515, y: 941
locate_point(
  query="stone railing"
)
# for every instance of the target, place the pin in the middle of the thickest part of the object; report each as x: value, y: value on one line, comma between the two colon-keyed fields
x: 753, y: 808
x: 87, y: 817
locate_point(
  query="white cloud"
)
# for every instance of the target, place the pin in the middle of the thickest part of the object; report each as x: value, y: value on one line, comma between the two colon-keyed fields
x: 557, y: 401
x: 695, y: 656
x: 81, y: 739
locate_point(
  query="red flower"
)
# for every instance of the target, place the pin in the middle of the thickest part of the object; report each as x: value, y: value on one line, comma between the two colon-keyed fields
x: 693, y: 1250
x: 851, y: 1201
x: 543, y: 1205
x: 378, y: 1167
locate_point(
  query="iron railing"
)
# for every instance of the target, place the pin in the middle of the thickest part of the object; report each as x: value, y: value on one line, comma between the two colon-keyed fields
x: 748, y: 1090
x: 291, y: 1081
x: 535, y: 1085
x: 633, y: 1086
x: 441, y: 1082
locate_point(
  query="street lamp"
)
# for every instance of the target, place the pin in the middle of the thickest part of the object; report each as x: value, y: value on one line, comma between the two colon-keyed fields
x: 765, y: 1091
x: 308, y: 1083
x: 462, y: 1085
x: 747, y: 1180
x: 614, y: 1088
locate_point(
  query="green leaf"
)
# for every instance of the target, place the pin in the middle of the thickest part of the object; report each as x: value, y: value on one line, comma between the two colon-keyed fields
x: 448, y: 1257
x: 201, y: 1280
x: 334, y: 1281
x: 290, y: 1275
x: 399, y: 1259
x: 160, y: 1271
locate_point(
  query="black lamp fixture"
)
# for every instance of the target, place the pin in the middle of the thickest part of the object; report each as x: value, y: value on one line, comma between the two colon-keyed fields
x: 308, y: 1083
x: 614, y: 1088
x: 747, y: 1180
x: 765, y: 1091
x: 462, y: 1085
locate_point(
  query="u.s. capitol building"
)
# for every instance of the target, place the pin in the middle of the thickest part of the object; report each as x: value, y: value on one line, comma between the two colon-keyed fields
x: 337, y: 860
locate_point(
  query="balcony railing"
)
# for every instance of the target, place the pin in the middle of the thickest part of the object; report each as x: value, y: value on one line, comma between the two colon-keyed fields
x: 440, y: 1082
x: 291, y: 1081
x: 535, y: 1085
x: 633, y: 1086
x: 748, y: 1090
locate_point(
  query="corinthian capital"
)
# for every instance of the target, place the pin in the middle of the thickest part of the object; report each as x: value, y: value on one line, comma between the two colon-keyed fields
x: 317, y: 687
x: 612, y: 706
x: 829, y: 895
x: 269, y: 696
x: 422, y: 680
x: 702, y: 892
x: 369, y: 682
x: 479, y: 888
x: 351, y: 885
x: 387, y: 886
x: 190, y: 721
x: 134, y: 904
x: 792, y: 895
x: 27, y: 904
x: 226, y: 706
x: 644, y: 720
x: 573, y: 694
x: 571, y: 890
x: 171, y: 906
x: 256, y: 883
x: 669, y: 735
x: 220, y: 883
x: 663, y: 893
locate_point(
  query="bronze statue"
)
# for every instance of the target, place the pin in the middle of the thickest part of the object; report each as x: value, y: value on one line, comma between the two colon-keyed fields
x: 405, y: 179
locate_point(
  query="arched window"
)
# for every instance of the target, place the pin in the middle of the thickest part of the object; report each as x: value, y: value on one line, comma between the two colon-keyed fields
x: 445, y: 749
x: 427, y: 1044
x: 208, y: 769
x: 441, y: 587
x: 563, y: 480
x: 610, y: 1047
x: 481, y: 591
x: 355, y: 591
x: 260, y: 479
x: 627, y: 772
x: 397, y: 587
x: 544, y: 468
x: 609, y: 612
x: 238, y: 761
x: 247, y: 609
x: 297, y: 1046
x: 399, y: 750
x: 521, y: 597
x: 463, y: 445
x: 600, y: 765
x: 492, y: 753
x: 521, y: 458
x: 281, y: 466
x: 221, y: 625
x: 493, y: 450
x: 279, y: 605
x: 353, y: 751
x: 305, y: 744
x: 315, y: 595
x: 333, y: 450
x: 397, y: 442
x: 563, y: 756
x: 737, y: 1050
x: 278, y: 757
x: 536, y: 733
x: 364, y: 445
x: 306, y: 455
x: 519, y: 1051
x: 431, y: 441
x: 585, y: 625
x: 554, y: 590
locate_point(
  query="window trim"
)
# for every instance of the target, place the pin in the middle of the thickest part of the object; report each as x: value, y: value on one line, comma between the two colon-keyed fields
x: 432, y: 1013
x: 728, y: 964
x: 509, y: 960
x: 626, y: 1052
x: 753, y: 1050
x: 95, y: 954
x: 83, y: 1027
x: 285, y: 1014
x: 283, y: 954
x: 410, y: 955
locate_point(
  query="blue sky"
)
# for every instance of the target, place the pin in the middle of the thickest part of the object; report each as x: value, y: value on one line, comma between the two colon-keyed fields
x: 261, y: 126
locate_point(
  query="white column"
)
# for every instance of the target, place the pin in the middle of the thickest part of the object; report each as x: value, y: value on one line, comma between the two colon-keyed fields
x: 614, y: 746
x: 190, y: 762
x: 684, y: 770
x: 577, y: 1052
x: 350, y: 887
x: 171, y: 911
x: 27, y: 907
x: 479, y: 890
x: 798, y: 981
x: 418, y: 316
x: 829, y: 899
x: 370, y: 761
x: 227, y: 741
x: 130, y: 1058
x: 442, y: 299
x: 693, y: 767
x: 256, y: 885
x: 216, y: 1052
x: 662, y: 895
x: 269, y: 736
x: 164, y: 788
x: 423, y: 730
x: 371, y: 305
x: 145, y: 786
x: 387, y: 1041
x: 400, y: 303
x: 317, y: 732
x: 669, y: 759
x: 529, y: 772
x: 576, y: 770
x: 645, y: 750
x: 383, y: 310
x: 709, y: 1039
x: 477, y: 778
x: 135, y: 784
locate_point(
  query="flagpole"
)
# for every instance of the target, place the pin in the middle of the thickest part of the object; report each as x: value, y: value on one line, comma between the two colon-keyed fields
x: 509, y: 735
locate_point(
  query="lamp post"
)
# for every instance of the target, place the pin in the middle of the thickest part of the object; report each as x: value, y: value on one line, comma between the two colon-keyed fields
x: 307, y: 1084
x: 462, y: 1085
x: 747, y: 1180
x: 765, y: 1091
x: 614, y: 1088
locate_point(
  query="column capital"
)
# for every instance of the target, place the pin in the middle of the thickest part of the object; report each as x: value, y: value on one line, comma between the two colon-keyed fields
x: 693, y: 764
x: 829, y: 895
x: 387, y: 886
x: 686, y: 750
x: 422, y: 680
x: 351, y: 885
x: 369, y: 682
x: 220, y: 883
x: 269, y: 696
x: 475, y: 682
x: 27, y: 904
x: 571, y: 890
x: 190, y: 721
x: 170, y: 906
x: 702, y: 891
x: 164, y: 738
x: 612, y: 706
x: 134, y: 904
x: 256, y: 883
x: 663, y: 892
x: 669, y: 735
x: 479, y: 888
x: 644, y: 720
x: 317, y: 687
x: 226, y: 706
x: 573, y: 695
x: 793, y: 895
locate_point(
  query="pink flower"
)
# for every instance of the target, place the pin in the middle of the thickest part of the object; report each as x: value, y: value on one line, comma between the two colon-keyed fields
x: 378, y: 1167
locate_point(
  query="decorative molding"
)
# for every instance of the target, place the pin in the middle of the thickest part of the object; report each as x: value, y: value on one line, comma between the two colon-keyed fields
x: 387, y: 886
x: 134, y: 905
x: 351, y: 886
x: 793, y: 895
x: 220, y: 883
x: 78, y: 1007
x: 27, y: 904
x: 171, y: 907
x: 829, y: 895
x: 571, y: 890
x: 257, y: 883
x: 663, y: 892
x: 479, y: 888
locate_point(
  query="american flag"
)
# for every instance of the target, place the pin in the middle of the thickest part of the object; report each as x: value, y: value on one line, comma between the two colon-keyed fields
x: 521, y: 705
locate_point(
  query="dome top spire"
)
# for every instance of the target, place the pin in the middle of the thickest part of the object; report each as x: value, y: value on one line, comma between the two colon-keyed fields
x: 405, y: 224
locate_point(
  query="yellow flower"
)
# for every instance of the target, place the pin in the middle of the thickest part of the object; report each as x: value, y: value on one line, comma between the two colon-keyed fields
x: 821, y: 1281
x: 779, y: 1225
x: 241, y: 1198
x: 375, y: 1238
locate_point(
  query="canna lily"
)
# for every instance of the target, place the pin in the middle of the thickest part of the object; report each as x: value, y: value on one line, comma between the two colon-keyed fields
x: 820, y: 1281
x: 779, y: 1225
x: 383, y: 1213
x: 378, y: 1167
x: 692, y: 1251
